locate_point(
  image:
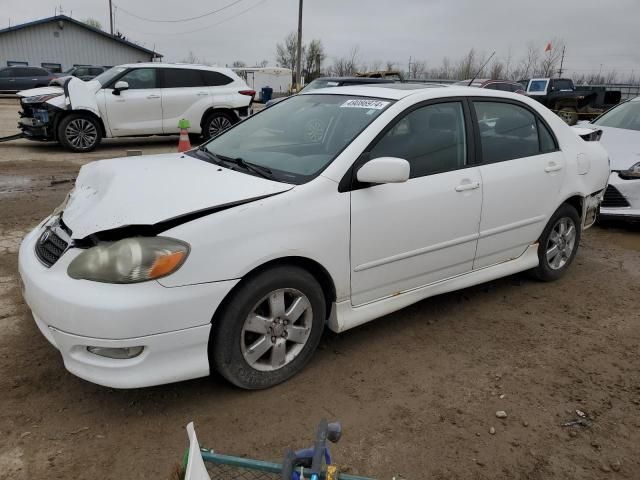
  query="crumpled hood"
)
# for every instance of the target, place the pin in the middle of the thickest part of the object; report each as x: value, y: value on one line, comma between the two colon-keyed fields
x: 622, y: 145
x: 146, y: 190
x: 32, y: 92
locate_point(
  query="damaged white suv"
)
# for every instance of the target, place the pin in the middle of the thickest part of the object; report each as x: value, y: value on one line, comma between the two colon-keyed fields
x: 330, y: 208
x: 135, y: 100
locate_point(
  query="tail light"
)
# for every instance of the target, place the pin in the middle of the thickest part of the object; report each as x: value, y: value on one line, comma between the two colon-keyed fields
x: 249, y: 93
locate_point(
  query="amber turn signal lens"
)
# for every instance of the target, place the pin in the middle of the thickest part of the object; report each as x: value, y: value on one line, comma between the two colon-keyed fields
x: 166, y: 264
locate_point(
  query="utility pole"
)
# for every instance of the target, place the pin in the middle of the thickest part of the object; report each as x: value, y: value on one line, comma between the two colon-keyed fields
x: 561, y: 62
x: 110, y: 17
x: 299, y: 55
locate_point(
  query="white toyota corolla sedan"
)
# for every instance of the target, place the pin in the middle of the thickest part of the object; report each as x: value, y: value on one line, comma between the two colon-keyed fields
x: 331, y: 208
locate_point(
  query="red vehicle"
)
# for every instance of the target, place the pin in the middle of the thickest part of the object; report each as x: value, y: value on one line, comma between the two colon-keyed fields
x: 504, y: 85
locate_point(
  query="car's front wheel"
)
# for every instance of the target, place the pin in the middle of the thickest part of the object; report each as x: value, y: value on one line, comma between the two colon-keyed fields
x: 558, y: 244
x: 269, y: 329
x: 79, y: 133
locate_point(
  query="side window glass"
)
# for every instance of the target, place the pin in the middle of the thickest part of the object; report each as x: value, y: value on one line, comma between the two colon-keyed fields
x: 493, y: 86
x: 547, y: 143
x: 182, y: 78
x: 432, y: 139
x: 507, y: 131
x: 215, y: 79
x: 140, y: 78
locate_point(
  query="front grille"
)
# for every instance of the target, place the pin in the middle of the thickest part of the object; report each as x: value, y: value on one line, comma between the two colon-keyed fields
x: 613, y: 198
x: 50, y: 247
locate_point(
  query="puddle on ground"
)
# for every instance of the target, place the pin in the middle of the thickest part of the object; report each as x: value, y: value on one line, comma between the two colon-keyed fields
x: 14, y: 183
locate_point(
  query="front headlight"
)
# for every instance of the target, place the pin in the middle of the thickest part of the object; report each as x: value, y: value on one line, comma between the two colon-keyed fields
x: 632, y: 173
x: 41, y: 98
x: 130, y: 261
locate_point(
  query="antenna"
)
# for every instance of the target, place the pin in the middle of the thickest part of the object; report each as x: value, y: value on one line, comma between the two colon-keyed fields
x: 481, y: 68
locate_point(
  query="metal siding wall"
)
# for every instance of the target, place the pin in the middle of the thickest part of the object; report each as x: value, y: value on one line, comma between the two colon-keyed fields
x: 75, y: 45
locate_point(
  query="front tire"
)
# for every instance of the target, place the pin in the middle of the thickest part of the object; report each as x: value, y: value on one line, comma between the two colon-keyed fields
x: 558, y: 244
x: 269, y: 329
x: 79, y: 133
x: 216, y: 123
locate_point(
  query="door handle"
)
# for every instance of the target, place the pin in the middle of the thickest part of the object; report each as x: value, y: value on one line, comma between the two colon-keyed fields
x: 552, y: 167
x: 467, y: 186
x: 153, y: 96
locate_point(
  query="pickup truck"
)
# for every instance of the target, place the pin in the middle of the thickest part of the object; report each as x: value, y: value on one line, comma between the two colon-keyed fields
x: 571, y: 104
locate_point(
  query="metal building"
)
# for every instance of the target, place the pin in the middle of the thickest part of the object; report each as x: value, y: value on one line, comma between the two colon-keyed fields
x: 61, y: 42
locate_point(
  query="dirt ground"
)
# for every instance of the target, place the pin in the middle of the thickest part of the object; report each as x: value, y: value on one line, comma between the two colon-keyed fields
x: 417, y: 391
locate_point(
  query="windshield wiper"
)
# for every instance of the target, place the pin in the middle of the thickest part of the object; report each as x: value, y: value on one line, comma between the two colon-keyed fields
x: 252, y: 167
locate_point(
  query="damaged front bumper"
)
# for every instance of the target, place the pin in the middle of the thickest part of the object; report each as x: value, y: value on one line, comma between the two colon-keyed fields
x: 37, y: 121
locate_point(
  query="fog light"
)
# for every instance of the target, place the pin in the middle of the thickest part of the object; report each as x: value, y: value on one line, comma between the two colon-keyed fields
x: 119, y: 353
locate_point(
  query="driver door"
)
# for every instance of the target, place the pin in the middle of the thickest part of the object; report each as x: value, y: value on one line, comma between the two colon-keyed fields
x: 137, y: 110
x: 406, y: 235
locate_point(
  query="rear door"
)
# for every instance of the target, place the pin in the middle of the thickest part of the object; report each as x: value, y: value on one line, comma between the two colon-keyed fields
x: 138, y: 110
x: 522, y: 172
x: 184, y: 95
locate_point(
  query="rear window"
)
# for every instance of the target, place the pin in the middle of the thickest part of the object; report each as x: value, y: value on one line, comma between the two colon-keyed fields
x: 215, y: 79
x: 182, y: 78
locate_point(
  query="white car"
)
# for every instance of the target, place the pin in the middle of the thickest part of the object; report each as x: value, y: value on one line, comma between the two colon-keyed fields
x: 621, y: 138
x: 331, y: 208
x: 135, y: 100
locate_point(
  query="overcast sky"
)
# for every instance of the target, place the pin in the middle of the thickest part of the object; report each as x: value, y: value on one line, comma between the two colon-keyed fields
x: 594, y: 31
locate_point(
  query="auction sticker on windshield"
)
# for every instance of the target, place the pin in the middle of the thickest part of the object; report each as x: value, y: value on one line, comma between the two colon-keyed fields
x: 368, y: 104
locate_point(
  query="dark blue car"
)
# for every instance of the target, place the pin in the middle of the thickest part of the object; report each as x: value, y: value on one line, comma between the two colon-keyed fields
x: 22, y: 78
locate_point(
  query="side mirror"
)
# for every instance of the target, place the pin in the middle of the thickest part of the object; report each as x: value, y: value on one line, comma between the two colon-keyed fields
x: 384, y: 170
x: 120, y: 86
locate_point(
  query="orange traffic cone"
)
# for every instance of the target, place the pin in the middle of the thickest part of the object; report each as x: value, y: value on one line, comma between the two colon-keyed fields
x: 184, y: 144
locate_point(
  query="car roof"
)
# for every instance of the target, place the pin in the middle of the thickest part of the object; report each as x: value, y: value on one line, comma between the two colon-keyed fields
x: 354, y: 79
x: 390, y: 91
x: 174, y: 65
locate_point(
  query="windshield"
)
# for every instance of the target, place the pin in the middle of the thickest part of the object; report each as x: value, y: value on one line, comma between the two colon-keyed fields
x: 298, y: 138
x: 105, y: 77
x: 625, y: 115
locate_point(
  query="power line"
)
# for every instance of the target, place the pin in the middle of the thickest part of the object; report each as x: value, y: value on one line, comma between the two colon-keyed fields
x: 203, y: 28
x: 180, y: 19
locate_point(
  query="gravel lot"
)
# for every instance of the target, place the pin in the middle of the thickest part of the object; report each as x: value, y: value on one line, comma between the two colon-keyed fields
x: 417, y: 391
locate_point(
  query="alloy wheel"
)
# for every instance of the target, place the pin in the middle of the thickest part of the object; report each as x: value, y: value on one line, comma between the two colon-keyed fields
x: 81, y: 133
x: 561, y: 243
x: 276, y: 330
x: 218, y: 125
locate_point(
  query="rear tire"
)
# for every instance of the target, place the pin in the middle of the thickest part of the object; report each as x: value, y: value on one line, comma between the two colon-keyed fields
x: 269, y: 329
x: 216, y: 123
x: 79, y: 132
x: 558, y: 244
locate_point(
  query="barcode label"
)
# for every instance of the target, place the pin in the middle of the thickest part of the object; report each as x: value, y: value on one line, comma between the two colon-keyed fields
x: 368, y: 104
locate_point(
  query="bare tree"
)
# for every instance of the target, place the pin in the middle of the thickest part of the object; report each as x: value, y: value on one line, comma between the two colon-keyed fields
x: 286, y: 53
x: 551, y: 59
x: 390, y: 65
x: 418, y: 69
x: 190, y: 58
x: 238, y: 64
x: 313, y: 59
x: 345, y: 66
x: 263, y: 63
x: 92, y: 22
x: 497, y: 69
